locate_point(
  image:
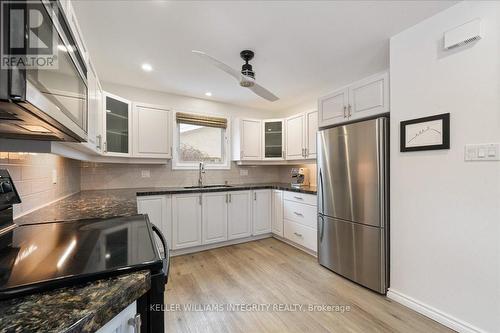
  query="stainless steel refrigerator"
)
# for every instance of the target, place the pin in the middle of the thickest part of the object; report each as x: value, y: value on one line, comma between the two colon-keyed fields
x: 353, y: 202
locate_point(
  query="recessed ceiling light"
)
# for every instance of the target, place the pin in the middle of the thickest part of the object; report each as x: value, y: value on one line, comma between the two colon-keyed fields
x: 147, y: 67
x: 208, y: 93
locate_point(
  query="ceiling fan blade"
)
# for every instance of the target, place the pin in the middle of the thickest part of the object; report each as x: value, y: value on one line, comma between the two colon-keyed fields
x: 263, y: 92
x: 219, y: 64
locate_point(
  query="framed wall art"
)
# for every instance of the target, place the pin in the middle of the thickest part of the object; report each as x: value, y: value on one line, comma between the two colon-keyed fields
x: 427, y: 133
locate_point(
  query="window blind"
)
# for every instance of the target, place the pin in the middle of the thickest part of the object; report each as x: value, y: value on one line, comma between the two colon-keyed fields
x: 194, y: 119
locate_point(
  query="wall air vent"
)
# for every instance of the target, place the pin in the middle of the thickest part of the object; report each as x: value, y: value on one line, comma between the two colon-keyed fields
x: 463, y: 34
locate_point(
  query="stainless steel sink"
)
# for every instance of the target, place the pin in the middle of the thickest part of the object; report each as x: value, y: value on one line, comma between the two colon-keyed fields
x: 208, y: 186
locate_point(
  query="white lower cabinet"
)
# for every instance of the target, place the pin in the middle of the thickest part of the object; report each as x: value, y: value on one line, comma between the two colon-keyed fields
x: 186, y: 220
x: 239, y: 215
x: 299, y: 219
x: 261, y: 212
x: 159, y: 210
x: 277, y: 213
x: 122, y: 322
x: 214, y: 217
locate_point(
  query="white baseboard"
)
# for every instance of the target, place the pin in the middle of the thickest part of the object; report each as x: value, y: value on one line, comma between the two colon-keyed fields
x: 433, y: 313
x: 188, y: 250
x: 298, y: 246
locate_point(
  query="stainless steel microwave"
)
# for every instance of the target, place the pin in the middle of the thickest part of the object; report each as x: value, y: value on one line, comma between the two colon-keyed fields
x: 41, y: 102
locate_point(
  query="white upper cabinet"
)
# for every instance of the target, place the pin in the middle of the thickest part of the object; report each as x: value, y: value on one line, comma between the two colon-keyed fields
x: 273, y: 139
x: 117, y: 125
x: 151, y: 134
x: 247, y: 136
x: 300, y: 136
x: 186, y: 220
x: 295, y: 141
x: 312, y: 130
x: 333, y: 107
x: 239, y: 214
x: 369, y: 97
x: 362, y: 99
x: 214, y: 217
x: 261, y: 213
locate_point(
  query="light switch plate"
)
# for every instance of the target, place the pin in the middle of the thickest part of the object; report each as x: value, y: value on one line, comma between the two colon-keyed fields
x: 243, y: 172
x: 482, y: 152
x: 145, y: 173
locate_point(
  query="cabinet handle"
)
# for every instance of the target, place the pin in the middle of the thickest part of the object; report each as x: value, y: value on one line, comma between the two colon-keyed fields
x: 99, y: 139
x: 199, y: 201
x: 283, y: 154
x: 299, y: 198
x: 241, y: 154
x: 305, y: 152
x: 297, y: 234
x: 349, y: 113
x: 229, y: 197
x: 254, y: 196
x: 345, y: 109
x: 136, y: 322
x: 105, y: 146
x: 298, y: 214
x: 171, y: 151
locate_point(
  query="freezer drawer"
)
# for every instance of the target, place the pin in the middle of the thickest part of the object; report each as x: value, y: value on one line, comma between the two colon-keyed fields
x: 353, y: 250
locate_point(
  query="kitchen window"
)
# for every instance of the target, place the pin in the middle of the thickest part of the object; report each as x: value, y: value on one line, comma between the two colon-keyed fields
x: 201, y: 138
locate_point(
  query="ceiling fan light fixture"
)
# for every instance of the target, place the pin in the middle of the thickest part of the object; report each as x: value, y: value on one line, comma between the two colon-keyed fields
x: 247, y: 83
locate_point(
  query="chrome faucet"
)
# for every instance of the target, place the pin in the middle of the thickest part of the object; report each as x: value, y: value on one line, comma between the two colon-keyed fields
x: 201, y: 171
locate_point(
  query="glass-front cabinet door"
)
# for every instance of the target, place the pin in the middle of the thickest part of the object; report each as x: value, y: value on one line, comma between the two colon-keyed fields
x: 118, y: 125
x: 273, y: 139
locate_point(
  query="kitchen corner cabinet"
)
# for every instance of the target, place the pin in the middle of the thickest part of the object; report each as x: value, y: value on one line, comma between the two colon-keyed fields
x: 151, y: 131
x: 277, y: 213
x: 214, y: 217
x: 247, y: 136
x: 117, y: 125
x: 362, y: 99
x: 261, y: 212
x: 273, y: 139
x: 300, y: 136
x: 186, y: 220
x: 159, y: 210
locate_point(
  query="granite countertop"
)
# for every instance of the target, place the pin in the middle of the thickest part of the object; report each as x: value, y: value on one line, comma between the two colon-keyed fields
x: 86, y: 205
x: 235, y: 187
x: 74, y: 309
x: 122, y: 202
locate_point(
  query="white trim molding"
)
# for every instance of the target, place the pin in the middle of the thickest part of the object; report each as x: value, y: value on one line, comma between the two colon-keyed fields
x: 433, y: 313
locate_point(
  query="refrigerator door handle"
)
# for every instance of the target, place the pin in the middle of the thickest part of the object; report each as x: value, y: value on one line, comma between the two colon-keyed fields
x: 322, y: 229
x: 321, y: 191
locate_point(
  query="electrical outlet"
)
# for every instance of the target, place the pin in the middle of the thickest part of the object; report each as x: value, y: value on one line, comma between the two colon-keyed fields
x: 146, y: 173
x: 243, y: 172
x: 54, y: 176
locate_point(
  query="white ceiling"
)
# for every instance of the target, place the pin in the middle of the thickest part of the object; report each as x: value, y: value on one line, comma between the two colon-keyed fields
x: 302, y: 47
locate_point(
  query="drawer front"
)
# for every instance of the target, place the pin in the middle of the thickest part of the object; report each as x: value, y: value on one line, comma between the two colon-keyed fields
x: 300, y: 213
x: 309, y: 199
x: 300, y: 234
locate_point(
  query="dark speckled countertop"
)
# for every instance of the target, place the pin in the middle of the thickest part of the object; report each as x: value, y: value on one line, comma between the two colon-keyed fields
x: 75, y: 309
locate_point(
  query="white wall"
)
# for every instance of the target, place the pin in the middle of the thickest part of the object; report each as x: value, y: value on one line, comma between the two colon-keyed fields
x: 445, y: 213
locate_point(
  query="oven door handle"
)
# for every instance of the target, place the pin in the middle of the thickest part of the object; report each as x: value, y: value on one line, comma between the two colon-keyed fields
x: 166, y: 252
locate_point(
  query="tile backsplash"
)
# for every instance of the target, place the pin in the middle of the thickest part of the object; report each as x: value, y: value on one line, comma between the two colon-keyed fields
x: 108, y: 176
x: 34, y: 176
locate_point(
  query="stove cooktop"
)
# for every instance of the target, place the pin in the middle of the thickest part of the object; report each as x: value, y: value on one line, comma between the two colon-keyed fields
x: 37, y: 257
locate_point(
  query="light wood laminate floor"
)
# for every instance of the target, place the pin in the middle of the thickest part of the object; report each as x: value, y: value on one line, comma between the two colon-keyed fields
x: 269, y: 271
